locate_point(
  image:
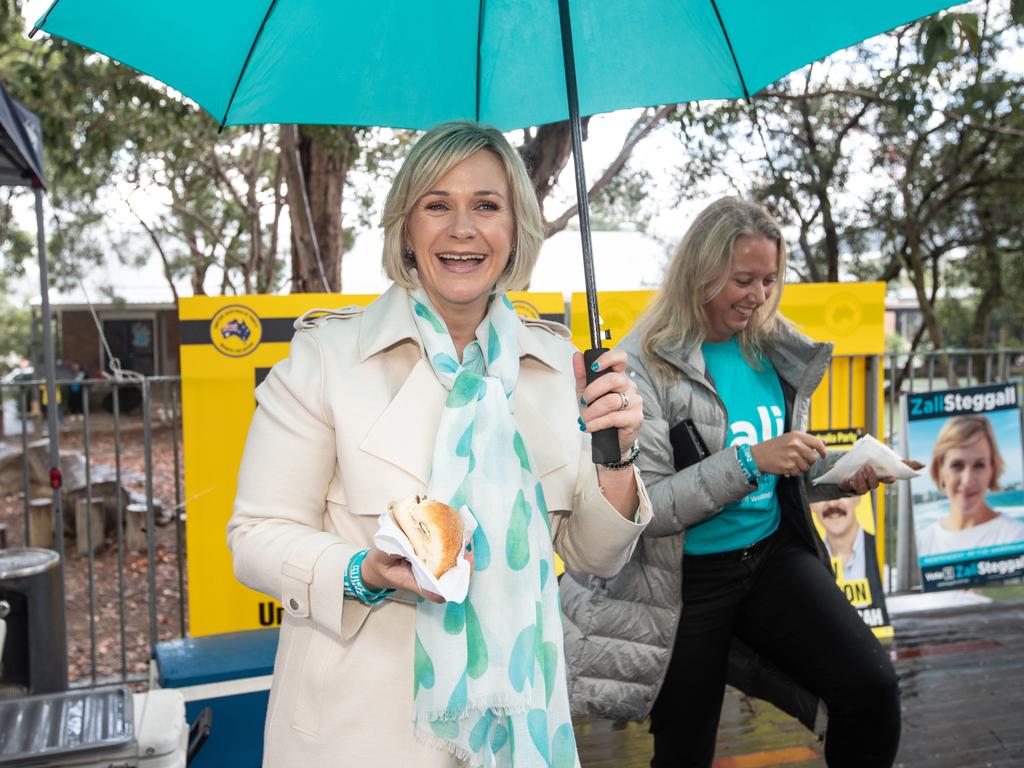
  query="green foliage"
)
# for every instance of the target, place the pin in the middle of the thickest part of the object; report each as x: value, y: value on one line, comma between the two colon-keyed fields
x: 15, y: 334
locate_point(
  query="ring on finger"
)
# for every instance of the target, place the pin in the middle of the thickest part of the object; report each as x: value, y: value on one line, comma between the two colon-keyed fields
x: 625, y: 400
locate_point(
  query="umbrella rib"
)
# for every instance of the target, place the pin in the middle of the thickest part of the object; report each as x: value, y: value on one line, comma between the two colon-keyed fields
x: 479, y: 48
x: 728, y: 42
x: 42, y: 19
x: 245, y: 65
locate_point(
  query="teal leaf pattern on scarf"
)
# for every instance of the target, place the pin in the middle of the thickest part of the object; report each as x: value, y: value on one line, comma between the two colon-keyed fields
x: 493, y: 344
x: 465, y: 445
x: 520, y: 446
x: 445, y: 362
x: 457, y: 702
x: 537, y: 723
x: 479, y: 732
x: 481, y: 550
x: 542, y: 506
x: 499, y: 738
x: 476, y: 646
x: 445, y: 729
x: 563, y: 747
x: 458, y: 500
x: 549, y: 666
x: 545, y: 569
x: 464, y: 390
x: 454, y: 617
x: 517, y: 544
x: 423, y: 669
x: 430, y: 317
x: 521, y: 663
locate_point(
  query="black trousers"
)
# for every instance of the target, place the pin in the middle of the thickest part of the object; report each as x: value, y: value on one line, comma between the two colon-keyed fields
x: 781, y: 600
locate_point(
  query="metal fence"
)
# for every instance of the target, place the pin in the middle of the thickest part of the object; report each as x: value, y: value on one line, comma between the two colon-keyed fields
x: 124, y: 513
x: 118, y: 522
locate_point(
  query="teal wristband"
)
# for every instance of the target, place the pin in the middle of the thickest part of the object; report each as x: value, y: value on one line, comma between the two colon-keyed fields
x: 747, y: 464
x: 354, y: 586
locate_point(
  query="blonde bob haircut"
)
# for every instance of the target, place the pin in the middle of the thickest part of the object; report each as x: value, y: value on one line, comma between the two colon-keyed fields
x: 677, y: 317
x: 438, y: 151
x: 959, y: 432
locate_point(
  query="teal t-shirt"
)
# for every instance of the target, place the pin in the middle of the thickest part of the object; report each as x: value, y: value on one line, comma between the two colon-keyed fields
x: 755, y: 408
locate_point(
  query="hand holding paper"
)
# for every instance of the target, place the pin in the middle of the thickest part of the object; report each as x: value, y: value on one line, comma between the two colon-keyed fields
x: 868, y: 451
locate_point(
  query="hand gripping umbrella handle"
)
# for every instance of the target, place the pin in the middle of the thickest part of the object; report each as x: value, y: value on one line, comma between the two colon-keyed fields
x: 604, y: 443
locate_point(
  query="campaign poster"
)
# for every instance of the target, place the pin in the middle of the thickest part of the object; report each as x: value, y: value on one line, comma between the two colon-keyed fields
x: 848, y: 527
x: 968, y: 503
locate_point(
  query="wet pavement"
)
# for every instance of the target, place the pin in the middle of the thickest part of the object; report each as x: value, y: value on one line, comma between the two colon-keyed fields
x: 961, y: 673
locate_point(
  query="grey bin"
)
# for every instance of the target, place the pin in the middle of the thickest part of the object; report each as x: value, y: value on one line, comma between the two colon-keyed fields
x: 35, y: 648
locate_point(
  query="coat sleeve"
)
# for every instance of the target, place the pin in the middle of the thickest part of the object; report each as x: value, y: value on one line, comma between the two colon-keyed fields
x: 594, y: 538
x: 693, y: 494
x: 825, y: 491
x: 276, y: 534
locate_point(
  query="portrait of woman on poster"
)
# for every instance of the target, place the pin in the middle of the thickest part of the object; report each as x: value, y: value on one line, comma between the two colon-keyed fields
x: 966, y: 464
x: 438, y: 389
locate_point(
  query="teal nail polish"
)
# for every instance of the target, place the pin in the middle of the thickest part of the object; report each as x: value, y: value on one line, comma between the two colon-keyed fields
x: 579, y: 420
x: 583, y: 427
x: 469, y: 546
x: 583, y: 400
x: 595, y: 366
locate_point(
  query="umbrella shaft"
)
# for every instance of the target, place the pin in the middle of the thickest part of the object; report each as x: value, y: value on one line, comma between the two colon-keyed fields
x: 583, y: 204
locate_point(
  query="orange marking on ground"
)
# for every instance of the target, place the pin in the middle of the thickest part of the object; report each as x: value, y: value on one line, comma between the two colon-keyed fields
x: 785, y: 756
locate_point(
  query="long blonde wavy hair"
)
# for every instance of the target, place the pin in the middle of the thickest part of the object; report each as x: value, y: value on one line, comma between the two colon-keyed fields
x: 677, y: 318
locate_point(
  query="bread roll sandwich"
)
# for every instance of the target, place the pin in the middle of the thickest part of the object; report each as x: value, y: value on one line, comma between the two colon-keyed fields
x: 434, y: 530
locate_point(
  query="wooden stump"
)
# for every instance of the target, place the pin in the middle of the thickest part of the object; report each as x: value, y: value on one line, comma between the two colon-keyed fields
x: 40, y: 522
x: 135, y: 527
x: 89, y: 515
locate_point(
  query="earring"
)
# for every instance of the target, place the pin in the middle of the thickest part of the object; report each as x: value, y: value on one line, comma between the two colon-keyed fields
x: 409, y: 254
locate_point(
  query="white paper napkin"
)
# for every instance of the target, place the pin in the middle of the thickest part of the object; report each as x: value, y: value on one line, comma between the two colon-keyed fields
x: 454, y: 583
x: 868, y: 451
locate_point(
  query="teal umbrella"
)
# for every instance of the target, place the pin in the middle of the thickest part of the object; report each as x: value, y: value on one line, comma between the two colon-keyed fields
x: 510, y: 63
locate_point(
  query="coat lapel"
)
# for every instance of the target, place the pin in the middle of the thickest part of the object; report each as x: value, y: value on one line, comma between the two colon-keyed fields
x: 404, y: 434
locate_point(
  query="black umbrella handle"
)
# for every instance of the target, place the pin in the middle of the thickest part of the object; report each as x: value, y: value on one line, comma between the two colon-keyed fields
x: 604, y: 443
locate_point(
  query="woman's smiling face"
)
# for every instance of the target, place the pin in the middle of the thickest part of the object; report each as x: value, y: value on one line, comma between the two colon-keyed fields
x: 966, y: 475
x: 752, y: 277
x: 461, y: 232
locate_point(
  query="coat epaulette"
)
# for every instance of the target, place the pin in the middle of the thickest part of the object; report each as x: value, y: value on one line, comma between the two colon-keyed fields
x: 551, y: 326
x: 313, y: 318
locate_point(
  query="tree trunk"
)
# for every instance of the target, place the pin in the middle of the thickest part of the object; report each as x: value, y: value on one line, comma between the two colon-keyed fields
x: 323, y: 166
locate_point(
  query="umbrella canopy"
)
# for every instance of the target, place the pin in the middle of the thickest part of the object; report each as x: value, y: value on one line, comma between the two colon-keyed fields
x: 411, y: 65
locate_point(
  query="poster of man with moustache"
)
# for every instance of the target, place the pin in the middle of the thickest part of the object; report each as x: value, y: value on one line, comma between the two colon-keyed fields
x: 968, y: 508
x: 847, y: 526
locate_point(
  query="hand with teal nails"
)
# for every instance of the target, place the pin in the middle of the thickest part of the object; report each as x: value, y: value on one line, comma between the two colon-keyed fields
x: 611, y: 401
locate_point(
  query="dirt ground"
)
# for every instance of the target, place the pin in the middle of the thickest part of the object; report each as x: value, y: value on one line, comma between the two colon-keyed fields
x: 116, y: 602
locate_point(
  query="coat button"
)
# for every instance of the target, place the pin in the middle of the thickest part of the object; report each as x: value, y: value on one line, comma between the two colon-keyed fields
x: 293, y: 604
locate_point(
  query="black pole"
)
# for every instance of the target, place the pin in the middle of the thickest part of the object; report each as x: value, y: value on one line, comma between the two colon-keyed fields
x: 605, y: 444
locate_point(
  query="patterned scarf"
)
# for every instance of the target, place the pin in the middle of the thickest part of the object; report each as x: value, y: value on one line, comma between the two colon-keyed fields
x: 489, y: 681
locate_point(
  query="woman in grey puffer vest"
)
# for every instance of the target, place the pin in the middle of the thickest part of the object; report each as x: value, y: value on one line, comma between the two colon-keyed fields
x: 759, y: 606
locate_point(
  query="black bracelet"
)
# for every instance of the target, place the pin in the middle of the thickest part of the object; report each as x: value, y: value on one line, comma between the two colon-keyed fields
x: 626, y: 462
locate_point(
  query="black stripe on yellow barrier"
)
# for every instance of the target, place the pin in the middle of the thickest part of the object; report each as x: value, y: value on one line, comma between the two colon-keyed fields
x: 274, y: 329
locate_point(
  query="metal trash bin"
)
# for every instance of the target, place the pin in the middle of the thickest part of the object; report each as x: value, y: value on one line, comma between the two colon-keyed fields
x: 34, y: 655
x: 94, y: 728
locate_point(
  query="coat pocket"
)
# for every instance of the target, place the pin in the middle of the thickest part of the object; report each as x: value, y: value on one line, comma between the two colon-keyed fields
x: 321, y: 656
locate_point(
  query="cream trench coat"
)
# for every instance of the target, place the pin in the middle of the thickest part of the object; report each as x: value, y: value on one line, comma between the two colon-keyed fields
x: 345, y: 425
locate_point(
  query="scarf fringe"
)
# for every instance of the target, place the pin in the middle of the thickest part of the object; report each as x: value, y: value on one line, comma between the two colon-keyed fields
x: 500, y: 707
x: 436, y: 742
